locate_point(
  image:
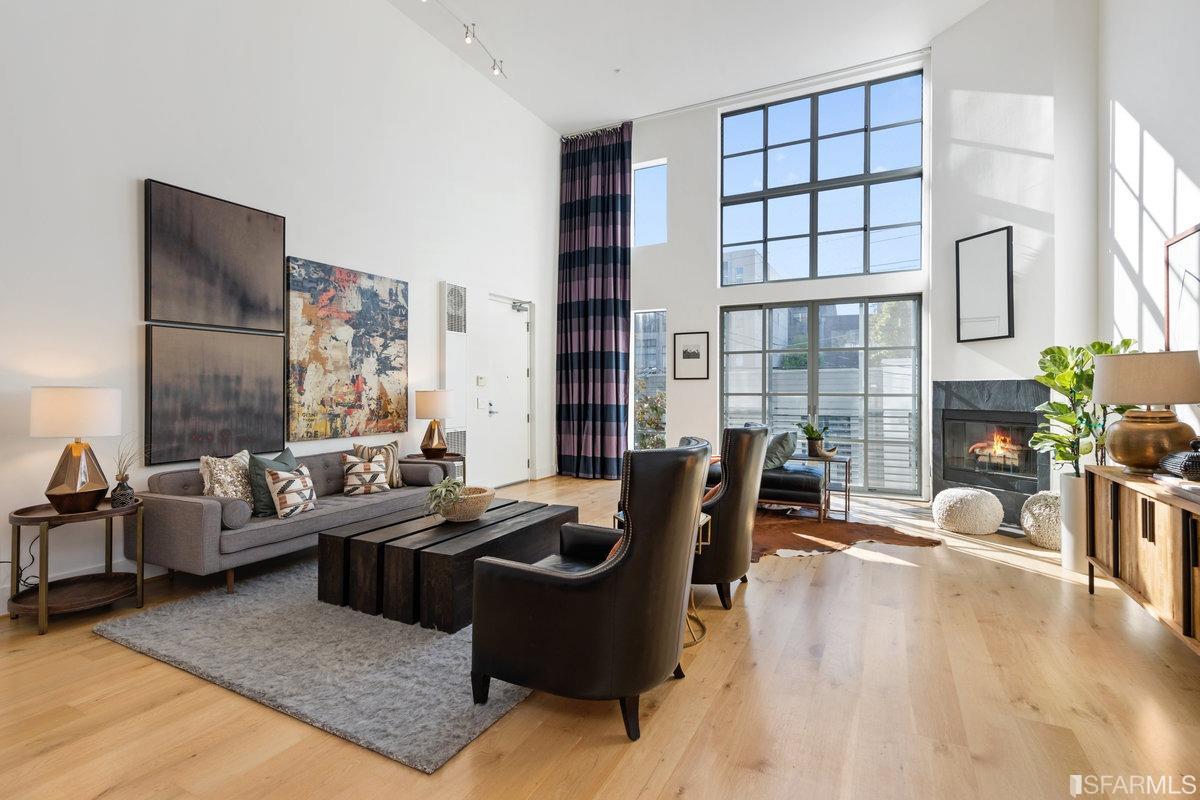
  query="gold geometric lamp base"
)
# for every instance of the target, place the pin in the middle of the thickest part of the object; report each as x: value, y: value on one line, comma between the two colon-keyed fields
x: 77, y: 484
x: 434, y: 444
x: 434, y: 405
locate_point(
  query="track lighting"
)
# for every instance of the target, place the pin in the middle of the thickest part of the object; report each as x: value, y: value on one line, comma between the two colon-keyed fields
x: 497, y: 67
x: 470, y: 37
x: 470, y: 33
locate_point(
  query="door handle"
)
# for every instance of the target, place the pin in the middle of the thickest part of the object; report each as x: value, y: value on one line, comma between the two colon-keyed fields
x: 492, y: 409
x: 1150, y: 521
x: 1195, y: 543
x: 1142, y: 503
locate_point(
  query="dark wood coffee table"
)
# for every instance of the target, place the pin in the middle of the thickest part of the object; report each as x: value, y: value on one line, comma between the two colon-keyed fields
x: 418, y: 567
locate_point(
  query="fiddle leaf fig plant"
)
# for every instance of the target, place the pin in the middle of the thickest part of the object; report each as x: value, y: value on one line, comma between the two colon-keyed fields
x: 1074, y: 426
x: 442, y: 496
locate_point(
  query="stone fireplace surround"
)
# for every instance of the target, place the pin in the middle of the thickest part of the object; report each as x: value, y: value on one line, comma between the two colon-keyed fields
x: 1012, y: 401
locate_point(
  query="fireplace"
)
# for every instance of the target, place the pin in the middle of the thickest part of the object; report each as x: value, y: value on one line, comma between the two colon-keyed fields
x: 981, y: 432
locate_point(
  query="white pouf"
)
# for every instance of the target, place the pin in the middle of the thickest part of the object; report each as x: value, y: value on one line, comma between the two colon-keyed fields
x: 971, y: 511
x: 1041, y: 520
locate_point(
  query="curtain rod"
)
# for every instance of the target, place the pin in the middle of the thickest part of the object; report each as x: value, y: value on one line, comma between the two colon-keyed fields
x: 594, y: 132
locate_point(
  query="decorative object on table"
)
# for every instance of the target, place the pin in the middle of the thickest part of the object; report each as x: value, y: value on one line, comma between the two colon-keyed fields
x: 1143, y: 437
x: 816, y: 440
x: 779, y: 450
x: 78, y: 592
x: 983, y: 270
x: 1072, y: 429
x: 1181, y: 311
x: 1040, y: 520
x: 364, y: 476
x: 227, y: 477
x: 212, y: 262
x: 391, y: 458
x: 691, y: 356
x: 292, y: 491
x: 348, y: 352
x: 191, y: 410
x: 59, y: 412
x: 433, y: 405
x: 127, y: 457
x: 366, y: 679
x: 1185, y: 463
x: 974, y: 512
x: 780, y: 534
x: 457, y: 502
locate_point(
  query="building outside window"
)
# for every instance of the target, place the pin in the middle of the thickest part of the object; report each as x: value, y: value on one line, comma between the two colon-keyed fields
x: 649, y: 379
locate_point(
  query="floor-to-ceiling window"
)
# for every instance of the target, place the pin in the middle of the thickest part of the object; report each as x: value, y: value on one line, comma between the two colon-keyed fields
x: 649, y: 379
x: 852, y: 364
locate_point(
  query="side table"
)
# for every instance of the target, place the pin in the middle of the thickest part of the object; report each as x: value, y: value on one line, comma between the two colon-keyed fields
x: 826, y: 461
x: 455, y: 463
x: 81, y: 591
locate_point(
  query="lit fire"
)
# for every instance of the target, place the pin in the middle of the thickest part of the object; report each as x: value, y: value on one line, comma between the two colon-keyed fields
x: 1001, y: 450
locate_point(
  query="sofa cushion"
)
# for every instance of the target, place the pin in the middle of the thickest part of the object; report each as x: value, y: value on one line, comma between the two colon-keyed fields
x: 264, y: 502
x: 391, y: 458
x: 331, y: 511
x: 795, y: 477
x: 365, y: 475
x: 779, y: 450
x: 177, y: 482
x: 235, y: 512
x: 292, y: 491
x: 326, y: 471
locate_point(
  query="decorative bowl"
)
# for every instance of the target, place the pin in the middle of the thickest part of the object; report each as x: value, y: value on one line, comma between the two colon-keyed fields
x: 471, y: 505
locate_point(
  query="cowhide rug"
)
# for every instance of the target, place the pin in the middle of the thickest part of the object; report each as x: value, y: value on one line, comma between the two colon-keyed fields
x: 777, y: 533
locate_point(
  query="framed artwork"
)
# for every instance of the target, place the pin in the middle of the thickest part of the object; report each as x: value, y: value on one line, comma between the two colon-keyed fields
x: 212, y: 262
x: 1181, y: 314
x: 348, y: 352
x: 691, y: 356
x: 983, y: 292
x: 212, y: 392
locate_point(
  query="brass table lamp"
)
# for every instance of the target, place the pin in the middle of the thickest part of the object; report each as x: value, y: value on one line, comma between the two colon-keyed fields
x: 78, y: 483
x: 433, y: 405
x: 1143, y: 437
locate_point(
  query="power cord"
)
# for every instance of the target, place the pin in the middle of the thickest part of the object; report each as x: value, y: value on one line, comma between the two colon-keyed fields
x: 24, y: 582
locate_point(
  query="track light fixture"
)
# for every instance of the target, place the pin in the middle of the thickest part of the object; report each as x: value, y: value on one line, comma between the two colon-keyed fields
x: 470, y: 37
x: 470, y: 33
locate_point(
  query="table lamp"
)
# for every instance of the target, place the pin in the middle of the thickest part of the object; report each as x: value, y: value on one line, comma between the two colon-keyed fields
x: 77, y: 484
x: 1143, y: 437
x: 433, y: 405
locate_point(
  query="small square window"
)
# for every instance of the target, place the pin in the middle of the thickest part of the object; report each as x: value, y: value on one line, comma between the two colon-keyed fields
x: 742, y: 222
x: 841, y: 111
x: 742, y: 132
x: 649, y: 205
x: 789, y: 122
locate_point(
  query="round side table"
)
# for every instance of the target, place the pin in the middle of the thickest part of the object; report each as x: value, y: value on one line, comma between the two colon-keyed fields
x: 81, y: 591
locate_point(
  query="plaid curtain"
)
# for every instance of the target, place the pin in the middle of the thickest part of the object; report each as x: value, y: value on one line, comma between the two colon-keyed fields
x: 593, y: 303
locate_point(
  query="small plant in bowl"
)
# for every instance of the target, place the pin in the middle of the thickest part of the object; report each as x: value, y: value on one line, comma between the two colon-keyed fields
x: 816, y: 439
x: 457, y: 502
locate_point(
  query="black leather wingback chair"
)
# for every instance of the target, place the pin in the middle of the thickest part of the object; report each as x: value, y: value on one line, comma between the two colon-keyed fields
x: 727, y: 559
x: 582, y: 625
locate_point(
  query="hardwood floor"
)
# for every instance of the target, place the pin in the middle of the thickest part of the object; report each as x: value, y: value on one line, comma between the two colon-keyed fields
x: 976, y: 669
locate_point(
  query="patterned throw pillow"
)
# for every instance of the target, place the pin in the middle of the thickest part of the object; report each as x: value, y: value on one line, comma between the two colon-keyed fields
x: 293, y: 492
x: 391, y: 455
x: 227, y: 477
x: 364, y: 476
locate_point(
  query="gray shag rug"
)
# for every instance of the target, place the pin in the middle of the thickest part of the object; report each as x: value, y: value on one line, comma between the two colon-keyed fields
x: 401, y: 690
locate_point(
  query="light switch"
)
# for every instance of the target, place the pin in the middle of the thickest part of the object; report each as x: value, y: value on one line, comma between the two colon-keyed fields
x: 480, y: 403
x: 481, y: 380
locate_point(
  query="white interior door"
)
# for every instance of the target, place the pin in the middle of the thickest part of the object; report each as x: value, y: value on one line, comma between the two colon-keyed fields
x: 498, y: 438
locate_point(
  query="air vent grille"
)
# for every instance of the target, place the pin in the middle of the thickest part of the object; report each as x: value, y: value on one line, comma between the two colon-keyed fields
x: 456, y: 308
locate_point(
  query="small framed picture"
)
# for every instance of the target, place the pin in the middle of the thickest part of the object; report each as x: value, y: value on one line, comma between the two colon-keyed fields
x: 691, y: 356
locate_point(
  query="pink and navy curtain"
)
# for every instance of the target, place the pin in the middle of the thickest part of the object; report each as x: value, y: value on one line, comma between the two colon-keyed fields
x: 593, y: 303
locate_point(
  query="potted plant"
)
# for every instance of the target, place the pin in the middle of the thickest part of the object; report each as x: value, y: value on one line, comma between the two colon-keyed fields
x: 127, y: 455
x: 457, y: 502
x: 816, y: 439
x: 1073, y: 428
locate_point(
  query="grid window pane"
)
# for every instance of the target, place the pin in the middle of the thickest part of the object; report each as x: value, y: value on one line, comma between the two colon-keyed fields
x: 892, y: 323
x: 840, y: 371
x: 650, y: 205
x: 785, y: 412
x: 896, y: 148
x: 855, y: 451
x: 840, y: 156
x: 843, y: 415
x: 742, y: 263
x: 787, y: 259
x: 742, y: 222
x: 740, y: 410
x: 841, y: 111
x: 743, y: 373
x: 743, y: 174
x: 788, y: 165
x: 840, y: 253
x: 892, y: 371
x: 838, y: 209
x: 649, y: 379
x: 743, y: 330
x: 787, y: 216
x: 893, y: 418
x: 896, y: 249
x: 789, y: 327
x: 789, y: 122
x: 788, y: 372
x: 893, y: 466
x: 896, y: 101
x: 841, y: 325
x: 741, y: 132
x: 896, y: 202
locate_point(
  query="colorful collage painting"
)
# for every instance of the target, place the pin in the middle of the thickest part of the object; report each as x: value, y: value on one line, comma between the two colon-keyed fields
x: 348, y: 352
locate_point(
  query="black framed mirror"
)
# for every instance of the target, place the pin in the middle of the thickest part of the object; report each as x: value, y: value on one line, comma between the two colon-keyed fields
x: 983, y: 268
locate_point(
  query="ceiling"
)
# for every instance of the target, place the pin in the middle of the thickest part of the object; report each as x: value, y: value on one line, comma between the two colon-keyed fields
x: 581, y: 65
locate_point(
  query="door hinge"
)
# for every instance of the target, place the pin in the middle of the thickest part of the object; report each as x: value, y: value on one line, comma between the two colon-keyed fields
x: 527, y: 327
x: 528, y: 463
x: 528, y: 418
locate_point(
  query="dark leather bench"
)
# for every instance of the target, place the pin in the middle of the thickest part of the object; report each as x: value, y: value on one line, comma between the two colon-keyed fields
x: 793, y: 484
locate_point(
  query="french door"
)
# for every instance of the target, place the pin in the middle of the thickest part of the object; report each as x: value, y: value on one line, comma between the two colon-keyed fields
x: 851, y: 364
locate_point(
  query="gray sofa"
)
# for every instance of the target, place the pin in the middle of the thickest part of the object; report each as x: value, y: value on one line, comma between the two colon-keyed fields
x: 185, y: 530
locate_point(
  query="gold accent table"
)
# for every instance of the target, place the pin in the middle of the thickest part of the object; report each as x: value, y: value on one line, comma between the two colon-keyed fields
x: 824, y: 509
x: 81, y: 591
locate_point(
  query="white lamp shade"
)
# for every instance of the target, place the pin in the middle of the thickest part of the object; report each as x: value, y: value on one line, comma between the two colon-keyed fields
x: 433, y: 403
x: 74, y: 411
x: 1143, y: 379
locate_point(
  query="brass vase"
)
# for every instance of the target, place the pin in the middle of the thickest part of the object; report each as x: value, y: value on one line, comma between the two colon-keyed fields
x: 1142, y: 438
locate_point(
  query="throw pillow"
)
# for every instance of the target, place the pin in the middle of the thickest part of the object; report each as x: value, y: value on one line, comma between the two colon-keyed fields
x: 364, y: 476
x: 264, y: 502
x: 779, y: 450
x: 227, y: 477
x: 292, y: 492
x: 391, y: 454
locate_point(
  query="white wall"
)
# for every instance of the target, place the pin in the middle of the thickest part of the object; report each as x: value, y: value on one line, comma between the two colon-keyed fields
x: 385, y: 152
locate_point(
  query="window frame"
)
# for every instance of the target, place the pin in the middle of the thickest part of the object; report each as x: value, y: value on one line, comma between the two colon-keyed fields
x: 815, y: 185
x: 654, y: 162
x: 813, y: 391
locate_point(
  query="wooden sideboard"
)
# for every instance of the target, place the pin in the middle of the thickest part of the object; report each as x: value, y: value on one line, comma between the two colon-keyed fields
x: 1147, y: 540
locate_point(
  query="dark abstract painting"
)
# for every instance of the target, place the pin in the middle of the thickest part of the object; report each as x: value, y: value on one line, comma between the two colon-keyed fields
x: 212, y: 262
x: 212, y: 393
x: 348, y: 352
